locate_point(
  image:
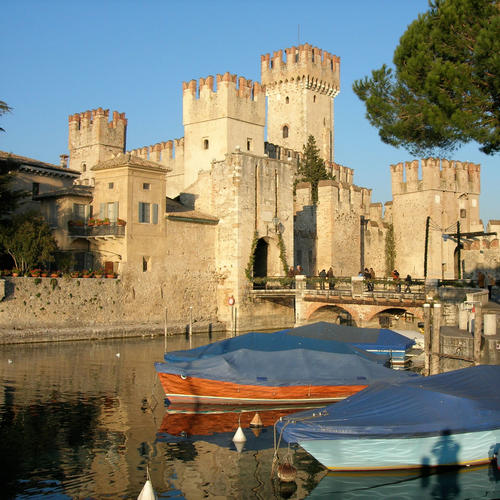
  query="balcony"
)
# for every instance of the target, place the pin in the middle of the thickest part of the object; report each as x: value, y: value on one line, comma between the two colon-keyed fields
x: 104, y: 231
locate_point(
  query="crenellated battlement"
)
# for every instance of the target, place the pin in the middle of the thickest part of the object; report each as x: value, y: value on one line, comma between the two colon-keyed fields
x: 99, y: 115
x: 314, y: 68
x: 233, y: 97
x: 440, y: 174
x: 93, y: 137
x: 161, y: 152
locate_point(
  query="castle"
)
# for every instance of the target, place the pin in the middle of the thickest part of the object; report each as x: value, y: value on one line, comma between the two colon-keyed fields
x: 204, y: 210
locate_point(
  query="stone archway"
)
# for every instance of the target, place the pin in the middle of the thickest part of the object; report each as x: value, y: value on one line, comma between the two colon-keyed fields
x: 398, y: 318
x: 260, y: 258
x: 332, y: 314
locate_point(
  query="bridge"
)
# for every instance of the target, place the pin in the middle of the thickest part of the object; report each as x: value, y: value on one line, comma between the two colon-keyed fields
x: 353, y: 301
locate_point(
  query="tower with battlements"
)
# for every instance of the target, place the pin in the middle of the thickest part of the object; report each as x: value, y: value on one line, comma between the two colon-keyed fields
x: 448, y: 193
x: 301, y: 85
x: 218, y: 120
x: 93, y: 138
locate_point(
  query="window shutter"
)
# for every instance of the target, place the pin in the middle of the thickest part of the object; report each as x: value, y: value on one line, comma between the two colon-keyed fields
x: 155, y: 213
x: 102, y: 210
x: 117, y: 213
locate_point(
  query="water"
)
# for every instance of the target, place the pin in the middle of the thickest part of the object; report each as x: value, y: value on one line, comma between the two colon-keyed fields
x: 74, y: 423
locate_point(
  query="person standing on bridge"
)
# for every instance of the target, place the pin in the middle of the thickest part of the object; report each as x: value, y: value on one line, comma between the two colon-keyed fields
x: 322, y: 279
x: 408, y: 284
x: 395, y: 277
x: 331, y: 278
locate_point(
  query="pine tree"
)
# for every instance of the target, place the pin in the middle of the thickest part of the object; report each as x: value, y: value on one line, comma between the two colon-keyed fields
x: 445, y: 90
x: 311, y: 167
x: 4, y: 108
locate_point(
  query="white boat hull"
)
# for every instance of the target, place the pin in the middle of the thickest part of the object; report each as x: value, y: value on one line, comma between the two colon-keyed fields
x: 405, y: 453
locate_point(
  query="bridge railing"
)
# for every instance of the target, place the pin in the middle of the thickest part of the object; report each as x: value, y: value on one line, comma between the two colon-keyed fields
x: 341, y: 285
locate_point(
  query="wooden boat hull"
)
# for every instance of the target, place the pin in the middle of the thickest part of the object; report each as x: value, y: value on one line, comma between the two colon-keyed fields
x: 365, y: 453
x: 194, y: 390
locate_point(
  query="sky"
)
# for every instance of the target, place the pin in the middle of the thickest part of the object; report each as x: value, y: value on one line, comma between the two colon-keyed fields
x: 63, y: 57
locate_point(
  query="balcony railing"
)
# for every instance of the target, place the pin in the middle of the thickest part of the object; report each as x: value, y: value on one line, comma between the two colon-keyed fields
x: 103, y: 230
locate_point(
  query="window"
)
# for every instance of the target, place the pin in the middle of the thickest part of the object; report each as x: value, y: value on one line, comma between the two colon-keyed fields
x: 249, y: 144
x: 463, y: 213
x: 109, y: 211
x: 144, y: 212
x: 287, y: 99
x: 314, y: 98
x: 79, y: 211
x: 205, y: 143
x: 145, y: 264
x: 84, y: 167
x: 146, y: 186
x: 148, y: 212
x: 35, y: 189
x: 285, y: 132
x: 111, y: 185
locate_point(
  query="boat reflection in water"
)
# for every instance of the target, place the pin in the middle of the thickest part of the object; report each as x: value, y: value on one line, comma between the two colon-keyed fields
x: 451, y: 483
x: 202, y: 439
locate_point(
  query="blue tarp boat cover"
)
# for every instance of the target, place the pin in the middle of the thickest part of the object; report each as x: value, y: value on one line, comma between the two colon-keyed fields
x: 380, y: 339
x: 464, y: 400
x: 270, y: 342
x: 302, y: 362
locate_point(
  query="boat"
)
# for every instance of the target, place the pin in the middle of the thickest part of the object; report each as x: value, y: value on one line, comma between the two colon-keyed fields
x: 375, y: 340
x: 450, y: 419
x: 267, y: 369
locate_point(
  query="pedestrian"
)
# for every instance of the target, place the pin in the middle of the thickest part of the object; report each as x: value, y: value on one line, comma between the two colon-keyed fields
x: 368, y: 276
x: 490, y: 283
x: 480, y: 279
x: 331, y: 278
x: 372, y: 276
x: 408, y: 284
x: 299, y: 270
x: 395, y: 277
x: 322, y: 276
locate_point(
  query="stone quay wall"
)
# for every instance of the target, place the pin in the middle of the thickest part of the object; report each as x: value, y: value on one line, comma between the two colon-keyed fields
x: 49, y: 309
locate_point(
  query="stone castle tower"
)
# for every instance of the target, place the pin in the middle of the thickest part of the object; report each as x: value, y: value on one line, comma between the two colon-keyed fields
x: 93, y: 138
x: 218, y: 121
x: 448, y: 193
x: 300, y: 91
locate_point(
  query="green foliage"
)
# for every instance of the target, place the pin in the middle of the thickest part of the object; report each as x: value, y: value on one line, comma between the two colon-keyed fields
x: 29, y: 241
x: 281, y: 245
x: 4, y: 108
x: 445, y: 91
x: 390, y: 250
x: 312, y: 167
x: 251, y: 260
x: 9, y: 197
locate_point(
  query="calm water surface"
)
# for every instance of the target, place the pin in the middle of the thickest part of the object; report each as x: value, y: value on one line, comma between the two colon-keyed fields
x: 74, y: 423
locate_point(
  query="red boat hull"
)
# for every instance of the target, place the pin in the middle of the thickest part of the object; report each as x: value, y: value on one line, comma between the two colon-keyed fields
x: 194, y: 390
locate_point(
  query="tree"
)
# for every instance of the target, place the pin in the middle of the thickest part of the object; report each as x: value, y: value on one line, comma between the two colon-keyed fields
x: 4, y: 108
x: 29, y: 241
x: 312, y: 167
x: 445, y: 91
x: 390, y: 250
x: 9, y: 197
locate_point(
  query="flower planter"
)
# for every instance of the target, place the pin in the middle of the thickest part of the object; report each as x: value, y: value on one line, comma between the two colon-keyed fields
x: 110, y: 276
x: 44, y: 275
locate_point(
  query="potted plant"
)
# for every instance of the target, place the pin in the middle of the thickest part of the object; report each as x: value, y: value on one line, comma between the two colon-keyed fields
x: 105, y: 222
x: 55, y: 274
x: 44, y: 273
x: 35, y: 273
x: 121, y: 222
x: 86, y: 273
x: 91, y: 222
x: 16, y: 272
x: 99, y: 273
x: 111, y: 275
x: 75, y: 274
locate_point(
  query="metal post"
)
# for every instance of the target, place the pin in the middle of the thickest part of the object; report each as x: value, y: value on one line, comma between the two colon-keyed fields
x: 427, y: 222
x: 459, y: 274
x: 478, y: 327
x: 427, y: 337
x: 166, y: 331
x: 435, y: 341
x: 235, y: 321
x: 190, y: 321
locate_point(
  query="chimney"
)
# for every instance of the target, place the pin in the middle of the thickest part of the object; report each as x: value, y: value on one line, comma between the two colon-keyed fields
x: 63, y: 161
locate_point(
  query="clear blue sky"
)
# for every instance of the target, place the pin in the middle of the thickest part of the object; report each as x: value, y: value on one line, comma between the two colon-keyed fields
x: 63, y: 57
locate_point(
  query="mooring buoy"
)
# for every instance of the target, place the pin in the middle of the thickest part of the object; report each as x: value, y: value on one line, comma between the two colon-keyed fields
x: 256, y: 421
